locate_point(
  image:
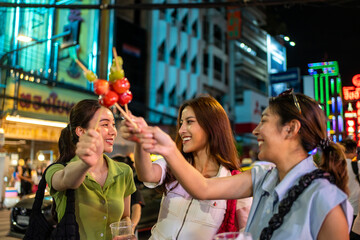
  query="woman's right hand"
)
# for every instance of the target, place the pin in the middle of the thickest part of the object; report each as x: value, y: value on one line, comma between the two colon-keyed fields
x: 90, y: 147
x: 128, y: 131
x: 156, y: 141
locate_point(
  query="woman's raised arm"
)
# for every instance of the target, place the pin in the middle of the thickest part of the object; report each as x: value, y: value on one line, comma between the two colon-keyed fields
x: 154, y: 140
x: 145, y: 169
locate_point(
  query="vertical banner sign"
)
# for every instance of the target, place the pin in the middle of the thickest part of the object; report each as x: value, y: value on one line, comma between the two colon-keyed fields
x: 352, y: 116
x: 233, y: 23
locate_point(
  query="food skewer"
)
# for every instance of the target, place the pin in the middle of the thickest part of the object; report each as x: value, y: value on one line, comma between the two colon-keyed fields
x: 118, y: 68
x: 126, y: 116
x: 107, y: 97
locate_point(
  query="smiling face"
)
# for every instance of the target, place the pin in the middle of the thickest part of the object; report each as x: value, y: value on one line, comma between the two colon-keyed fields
x: 194, y: 138
x: 270, y: 136
x: 106, y: 127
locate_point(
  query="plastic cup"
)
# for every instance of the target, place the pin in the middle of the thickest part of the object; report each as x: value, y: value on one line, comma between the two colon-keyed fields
x: 121, y: 229
x: 233, y: 236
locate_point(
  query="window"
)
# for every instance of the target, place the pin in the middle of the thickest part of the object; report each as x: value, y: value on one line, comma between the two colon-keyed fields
x: 226, y: 74
x: 172, y: 98
x: 194, y: 29
x: 183, y: 60
x: 205, y: 63
x: 205, y: 29
x: 161, y: 52
x: 183, y: 96
x: 217, y: 36
x: 162, y: 12
x: 160, y: 94
x: 184, y: 23
x: 174, y: 16
x: 218, y: 68
x: 194, y: 65
x: 173, y: 56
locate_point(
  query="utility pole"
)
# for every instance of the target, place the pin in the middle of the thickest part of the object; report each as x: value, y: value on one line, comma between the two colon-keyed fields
x: 104, y: 39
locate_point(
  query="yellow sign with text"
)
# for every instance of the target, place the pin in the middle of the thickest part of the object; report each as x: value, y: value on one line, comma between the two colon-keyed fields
x: 31, y: 132
x: 42, y: 101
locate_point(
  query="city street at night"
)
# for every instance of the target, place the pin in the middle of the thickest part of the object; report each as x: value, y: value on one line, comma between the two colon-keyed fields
x: 141, y: 107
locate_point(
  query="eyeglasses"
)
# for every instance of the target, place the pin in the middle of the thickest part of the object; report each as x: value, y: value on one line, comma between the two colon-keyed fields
x: 288, y: 92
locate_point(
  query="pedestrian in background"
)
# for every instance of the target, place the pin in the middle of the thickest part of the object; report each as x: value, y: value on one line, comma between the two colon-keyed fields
x: 354, y: 184
x: 24, y: 174
x: 353, y: 167
x: 295, y: 199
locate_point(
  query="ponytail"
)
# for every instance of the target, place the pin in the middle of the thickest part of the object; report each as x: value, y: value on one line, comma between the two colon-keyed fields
x: 66, y: 145
x: 333, y: 161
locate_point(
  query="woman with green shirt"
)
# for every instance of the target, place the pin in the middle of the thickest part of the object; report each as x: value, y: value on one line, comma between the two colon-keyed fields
x: 102, y: 186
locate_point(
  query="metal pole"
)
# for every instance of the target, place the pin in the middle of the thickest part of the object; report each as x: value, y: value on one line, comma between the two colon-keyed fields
x: 54, y: 66
x: 104, y: 44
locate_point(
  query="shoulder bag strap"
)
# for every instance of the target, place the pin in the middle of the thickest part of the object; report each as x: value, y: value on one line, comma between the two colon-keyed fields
x: 39, y: 197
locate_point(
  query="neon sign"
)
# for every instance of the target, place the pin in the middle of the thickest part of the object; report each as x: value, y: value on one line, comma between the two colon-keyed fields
x: 356, y: 80
x: 351, y: 93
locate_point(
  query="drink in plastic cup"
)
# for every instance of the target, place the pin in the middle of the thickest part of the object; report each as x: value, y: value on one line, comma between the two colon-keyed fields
x: 121, y: 229
x: 233, y: 236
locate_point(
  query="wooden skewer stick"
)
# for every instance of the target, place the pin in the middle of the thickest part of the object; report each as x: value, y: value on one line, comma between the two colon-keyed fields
x: 118, y: 68
x: 116, y: 61
x: 125, y: 115
x: 81, y: 65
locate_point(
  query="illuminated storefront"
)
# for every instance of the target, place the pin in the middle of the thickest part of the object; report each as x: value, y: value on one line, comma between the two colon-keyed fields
x: 39, y: 79
x: 352, y: 112
x: 33, y: 120
x: 327, y: 91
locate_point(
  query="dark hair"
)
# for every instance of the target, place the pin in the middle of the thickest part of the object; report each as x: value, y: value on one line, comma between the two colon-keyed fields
x: 80, y: 115
x: 312, y: 133
x: 213, y: 119
x: 349, y: 144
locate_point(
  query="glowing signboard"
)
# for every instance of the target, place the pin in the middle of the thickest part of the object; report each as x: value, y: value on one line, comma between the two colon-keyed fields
x: 356, y: 80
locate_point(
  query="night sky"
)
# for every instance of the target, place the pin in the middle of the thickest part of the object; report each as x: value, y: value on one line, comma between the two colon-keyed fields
x: 321, y: 33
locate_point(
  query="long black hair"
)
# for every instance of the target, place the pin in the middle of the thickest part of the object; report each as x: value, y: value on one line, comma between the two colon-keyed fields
x: 80, y: 116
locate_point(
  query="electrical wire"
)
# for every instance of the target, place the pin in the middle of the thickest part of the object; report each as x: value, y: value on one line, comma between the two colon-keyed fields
x: 156, y: 6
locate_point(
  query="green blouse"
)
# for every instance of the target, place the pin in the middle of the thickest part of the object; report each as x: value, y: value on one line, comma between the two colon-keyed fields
x: 96, y: 207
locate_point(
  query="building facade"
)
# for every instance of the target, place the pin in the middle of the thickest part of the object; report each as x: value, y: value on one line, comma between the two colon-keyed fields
x: 40, y: 80
x: 248, y: 74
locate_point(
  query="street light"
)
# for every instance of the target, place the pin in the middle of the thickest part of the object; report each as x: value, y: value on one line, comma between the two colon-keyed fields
x: 285, y: 39
x: 41, y: 155
x: 71, y: 37
x: 23, y: 38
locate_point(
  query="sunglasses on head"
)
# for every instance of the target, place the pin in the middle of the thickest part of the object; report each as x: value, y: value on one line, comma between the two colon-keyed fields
x: 289, y: 92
